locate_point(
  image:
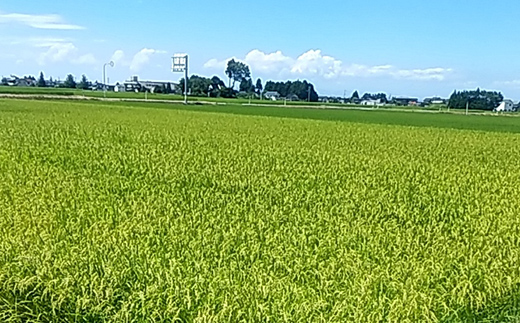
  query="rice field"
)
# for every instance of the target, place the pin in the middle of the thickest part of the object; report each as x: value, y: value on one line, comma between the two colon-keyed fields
x: 114, y: 213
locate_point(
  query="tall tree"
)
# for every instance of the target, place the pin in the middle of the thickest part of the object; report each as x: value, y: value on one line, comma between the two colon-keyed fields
x: 69, y: 82
x: 84, y: 83
x: 237, y: 72
x: 355, y: 96
x: 41, y: 81
x: 246, y: 85
x: 259, y: 86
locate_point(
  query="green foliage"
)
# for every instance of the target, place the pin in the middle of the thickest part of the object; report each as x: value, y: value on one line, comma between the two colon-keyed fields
x: 237, y: 72
x: 247, y: 86
x: 476, y: 100
x: 354, y: 96
x: 84, y: 83
x: 150, y: 214
x: 298, y: 88
x: 69, y: 82
x: 201, y: 86
x: 259, y: 87
x: 41, y: 81
x: 374, y: 96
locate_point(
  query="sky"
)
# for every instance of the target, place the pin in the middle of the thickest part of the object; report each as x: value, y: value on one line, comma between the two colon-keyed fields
x: 402, y: 47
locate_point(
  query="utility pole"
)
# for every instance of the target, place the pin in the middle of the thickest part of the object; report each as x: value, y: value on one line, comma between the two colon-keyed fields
x: 180, y: 64
x: 309, y: 91
x: 111, y: 64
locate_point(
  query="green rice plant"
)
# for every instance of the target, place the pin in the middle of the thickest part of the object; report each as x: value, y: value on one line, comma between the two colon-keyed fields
x: 115, y: 213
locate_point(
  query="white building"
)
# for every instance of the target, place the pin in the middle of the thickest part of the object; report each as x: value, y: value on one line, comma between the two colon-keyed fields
x: 505, y: 106
x: 272, y: 95
x: 371, y: 102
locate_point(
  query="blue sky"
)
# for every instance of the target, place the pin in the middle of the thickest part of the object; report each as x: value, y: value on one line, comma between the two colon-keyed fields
x: 400, y: 47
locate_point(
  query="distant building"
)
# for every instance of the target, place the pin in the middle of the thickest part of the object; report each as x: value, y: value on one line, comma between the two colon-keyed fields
x: 506, y: 106
x: 136, y: 85
x: 23, y: 82
x: 272, y: 95
x: 119, y: 88
x: 403, y: 101
x: 434, y: 100
x: 292, y: 97
x: 371, y: 102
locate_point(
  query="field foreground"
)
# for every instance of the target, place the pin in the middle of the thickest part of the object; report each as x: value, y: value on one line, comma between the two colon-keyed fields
x: 111, y: 213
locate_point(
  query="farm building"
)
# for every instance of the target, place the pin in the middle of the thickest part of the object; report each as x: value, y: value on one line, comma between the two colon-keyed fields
x: 136, y: 85
x: 272, y: 95
x: 24, y: 81
x: 292, y: 97
x: 405, y: 101
x: 371, y: 102
x: 505, y: 106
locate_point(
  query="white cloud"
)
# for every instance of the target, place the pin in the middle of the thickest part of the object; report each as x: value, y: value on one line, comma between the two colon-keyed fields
x: 58, y: 52
x: 64, y: 52
x: 142, y: 58
x: 48, y: 21
x: 268, y: 63
x: 314, y: 63
x: 118, y: 56
x: 87, y: 59
x: 216, y: 64
x: 437, y: 74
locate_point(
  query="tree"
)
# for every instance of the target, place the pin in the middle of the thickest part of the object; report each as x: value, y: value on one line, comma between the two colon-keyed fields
x: 69, y: 82
x: 355, y: 96
x: 376, y: 96
x: 259, y: 87
x: 41, y: 81
x: 4, y: 81
x: 202, y: 86
x: 475, y: 100
x: 168, y: 88
x: 84, y: 83
x: 303, y: 90
x: 237, y: 72
x: 216, y: 87
x: 246, y: 85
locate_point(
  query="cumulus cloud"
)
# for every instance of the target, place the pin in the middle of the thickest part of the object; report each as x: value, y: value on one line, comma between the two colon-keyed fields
x: 63, y: 52
x: 315, y: 63
x: 48, y: 21
x: 58, y: 52
x: 118, y: 56
x: 142, y: 58
x: 268, y: 63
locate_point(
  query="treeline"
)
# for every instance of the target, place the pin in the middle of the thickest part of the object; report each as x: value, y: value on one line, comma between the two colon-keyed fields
x: 475, y: 100
x: 215, y: 87
x: 302, y: 89
x: 203, y: 86
x: 240, y: 73
x: 69, y: 82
